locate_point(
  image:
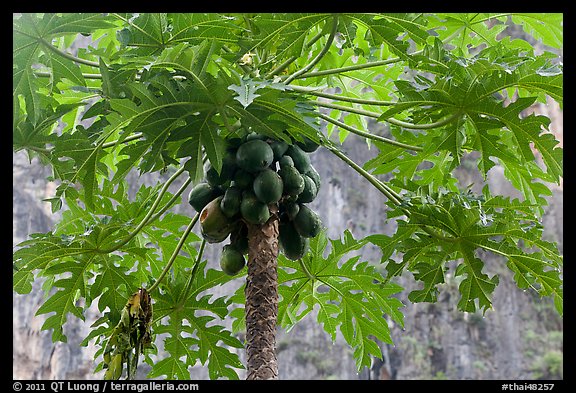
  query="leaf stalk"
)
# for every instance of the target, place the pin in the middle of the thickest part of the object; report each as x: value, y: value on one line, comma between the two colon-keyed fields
x: 368, y: 135
x: 147, y: 219
x: 320, y: 54
x: 193, y: 273
x: 383, y: 188
x: 375, y: 115
x: 175, y: 253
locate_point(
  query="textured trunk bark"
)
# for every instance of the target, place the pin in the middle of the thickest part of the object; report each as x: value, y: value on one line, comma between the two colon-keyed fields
x: 262, y: 300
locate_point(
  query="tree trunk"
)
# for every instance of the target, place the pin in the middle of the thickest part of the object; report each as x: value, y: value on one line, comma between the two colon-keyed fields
x: 262, y: 300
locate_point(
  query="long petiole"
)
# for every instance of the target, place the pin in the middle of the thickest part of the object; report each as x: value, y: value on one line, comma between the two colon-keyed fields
x: 368, y: 135
x: 68, y: 55
x: 320, y: 54
x: 375, y: 115
x: 350, y: 68
x: 193, y: 272
x: 146, y: 220
x: 337, y: 97
x: 389, y: 193
x: 176, y: 194
x: 175, y: 253
x: 43, y: 74
x: 132, y: 137
x: 172, y: 200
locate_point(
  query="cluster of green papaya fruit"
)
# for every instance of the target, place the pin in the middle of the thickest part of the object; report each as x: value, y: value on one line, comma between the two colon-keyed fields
x: 258, y: 172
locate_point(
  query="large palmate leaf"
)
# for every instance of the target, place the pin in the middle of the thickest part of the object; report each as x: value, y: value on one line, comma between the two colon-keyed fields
x: 468, y: 30
x: 482, y: 120
x: 192, y: 335
x: 150, y: 33
x: 63, y: 301
x: 349, y: 295
x: 544, y: 27
x: 284, y: 31
x: 449, y: 226
x: 168, y: 107
x: 382, y: 29
x: 80, y: 248
x: 32, y: 44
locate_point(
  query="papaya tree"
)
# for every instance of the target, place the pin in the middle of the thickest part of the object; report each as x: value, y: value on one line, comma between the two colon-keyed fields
x: 236, y: 104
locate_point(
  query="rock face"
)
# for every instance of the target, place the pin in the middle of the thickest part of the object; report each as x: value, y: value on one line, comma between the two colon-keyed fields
x: 521, y: 338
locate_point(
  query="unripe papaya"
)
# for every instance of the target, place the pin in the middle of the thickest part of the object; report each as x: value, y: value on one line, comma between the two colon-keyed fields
x: 292, y: 179
x: 293, y: 245
x: 291, y: 209
x: 268, y: 186
x: 309, y: 192
x: 286, y: 161
x: 314, y: 175
x: 254, y: 155
x: 214, y: 225
x: 231, y: 260
x: 307, y: 222
x: 243, y: 179
x: 230, y: 203
x: 300, y: 158
x: 253, y: 210
x: 202, y: 194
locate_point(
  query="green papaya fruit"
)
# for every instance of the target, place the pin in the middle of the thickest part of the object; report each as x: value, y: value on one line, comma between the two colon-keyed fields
x: 230, y: 203
x: 314, y: 175
x: 293, y: 245
x: 308, y: 145
x: 291, y: 209
x: 243, y: 179
x: 279, y: 148
x: 300, y: 158
x: 215, y: 226
x: 202, y: 194
x: 254, y: 155
x: 231, y: 260
x: 286, y: 161
x: 268, y: 186
x: 290, y: 198
x: 292, y: 179
x: 307, y: 222
x: 309, y: 192
x: 239, y: 238
x: 253, y: 210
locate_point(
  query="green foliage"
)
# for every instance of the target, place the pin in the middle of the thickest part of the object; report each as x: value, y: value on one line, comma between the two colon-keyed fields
x: 189, y: 328
x: 349, y: 295
x: 167, y: 92
x: 448, y: 226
